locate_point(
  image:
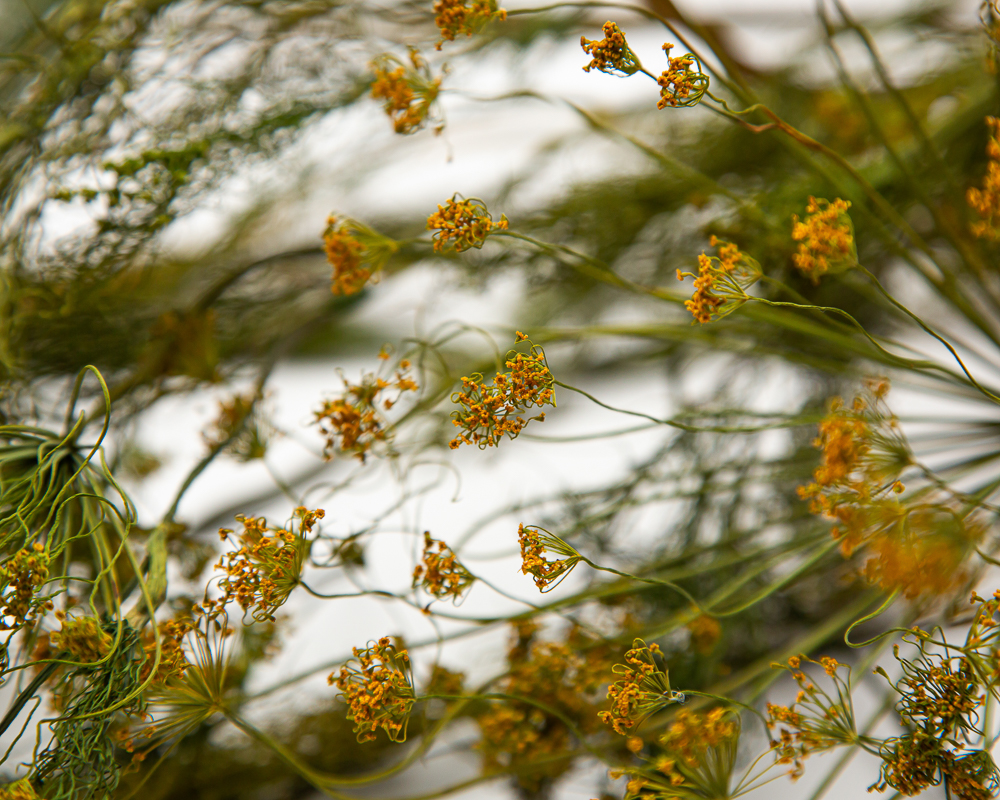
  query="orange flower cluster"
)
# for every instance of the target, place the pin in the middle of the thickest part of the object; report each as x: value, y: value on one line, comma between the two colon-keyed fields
x: 925, y: 556
x: 344, y: 252
x: 566, y: 677
x: 817, y: 720
x: 440, y: 573
x: 863, y: 453
x: 940, y: 694
x: 547, y: 574
x: 689, y: 739
x: 721, y: 283
x: 267, y: 566
x: 611, y: 54
x: 916, y: 546
x: 643, y: 689
x: 409, y: 90
x: 353, y: 423
x: 461, y: 224
x: 21, y: 576
x: 378, y: 691
x: 356, y: 252
x: 683, y: 83
x: 173, y: 660
x: 986, y: 201
x: 489, y: 413
x: 241, y: 427
x: 825, y: 237
x: 457, y: 17
x: 83, y: 638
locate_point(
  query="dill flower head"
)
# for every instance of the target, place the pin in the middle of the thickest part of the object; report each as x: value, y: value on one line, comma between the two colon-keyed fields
x: 939, y: 692
x: 378, y: 691
x: 547, y: 574
x: 818, y: 720
x: 440, y: 573
x: 267, y: 566
x: 461, y: 224
x: 457, y: 17
x: 721, y: 283
x: 21, y: 576
x: 173, y: 659
x: 923, y: 553
x: 683, y: 83
x: 354, y: 422
x: 825, y: 237
x: 986, y: 201
x: 642, y: 689
x: 408, y: 90
x: 700, y: 751
x: 611, y: 54
x: 241, y: 427
x: 909, y: 763
x: 521, y: 736
x: 488, y: 413
x: 863, y: 453
x: 356, y: 252
x: 83, y: 638
x: 913, y: 544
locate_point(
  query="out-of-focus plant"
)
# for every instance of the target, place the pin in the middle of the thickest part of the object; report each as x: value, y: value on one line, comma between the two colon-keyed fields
x: 854, y: 231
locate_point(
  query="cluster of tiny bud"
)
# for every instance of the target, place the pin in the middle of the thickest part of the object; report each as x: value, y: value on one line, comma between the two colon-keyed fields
x: 378, y: 691
x: 461, y: 224
x: 464, y: 17
x: 354, y: 423
x: 825, y: 237
x: 488, y: 413
x: 721, y: 283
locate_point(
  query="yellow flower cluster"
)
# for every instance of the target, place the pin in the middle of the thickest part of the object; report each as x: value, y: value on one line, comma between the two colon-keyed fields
x: 690, y: 737
x: 489, y: 413
x: 83, y: 638
x: 440, y: 573
x: 916, y: 546
x: 815, y: 721
x: 408, y: 90
x: 940, y: 694
x: 21, y: 576
x: 457, y: 17
x: 862, y: 454
x: 353, y: 423
x: 344, y: 252
x: 683, y: 83
x: 825, y: 237
x: 241, y: 427
x: 566, y: 677
x: 461, y: 224
x: 611, y: 54
x: 378, y: 691
x: 547, y: 574
x: 267, y: 566
x: 721, y: 283
x: 986, y: 201
x: 924, y: 556
x: 356, y: 253
x: 643, y: 689
x: 173, y: 659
